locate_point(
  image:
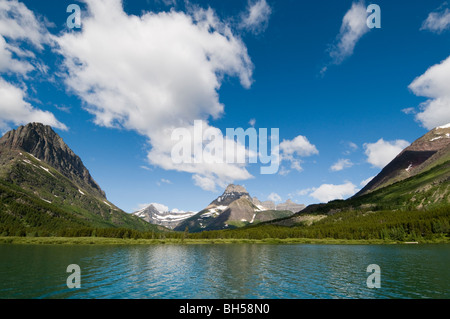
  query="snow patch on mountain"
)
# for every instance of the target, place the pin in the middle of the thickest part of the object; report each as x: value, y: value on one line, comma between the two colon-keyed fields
x: 444, y: 126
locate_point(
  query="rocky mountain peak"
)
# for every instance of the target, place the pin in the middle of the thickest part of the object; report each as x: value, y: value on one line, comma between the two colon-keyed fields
x: 235, y: 189
x: 45, y: 144
x: 232, y: 193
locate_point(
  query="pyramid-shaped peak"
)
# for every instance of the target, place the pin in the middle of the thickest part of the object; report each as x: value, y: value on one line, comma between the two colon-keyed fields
x: 45, y: 144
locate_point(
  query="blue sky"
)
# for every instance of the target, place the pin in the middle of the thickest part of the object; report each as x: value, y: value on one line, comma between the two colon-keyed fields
x: 346, y: 98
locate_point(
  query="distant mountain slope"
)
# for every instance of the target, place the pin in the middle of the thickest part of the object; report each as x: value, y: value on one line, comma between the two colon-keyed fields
x: 426, y: 152
x: 234, y: 208
x: 50, y: 189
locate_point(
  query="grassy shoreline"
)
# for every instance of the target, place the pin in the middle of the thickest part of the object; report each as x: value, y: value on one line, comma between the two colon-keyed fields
x: 119, y: 241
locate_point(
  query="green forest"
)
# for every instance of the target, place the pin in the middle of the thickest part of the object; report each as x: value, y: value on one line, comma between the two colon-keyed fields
x: 351, y: 225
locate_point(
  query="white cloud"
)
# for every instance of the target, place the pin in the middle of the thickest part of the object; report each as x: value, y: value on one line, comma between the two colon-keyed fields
x: 328, y: 192
x: 382, y: 152
x: 19, y: 27
x: 165, y: 181
x: 305, y: 191
x: 256, y: 19
x: 341, y: 164
x: 165, y: 74
x: 274, y: 197
x: 208, y: 182
x: 252, y: 122
x: 437, y: 21
x: 19, y: 23
x: 298, y: 146
x: 366, y: 181
x: 353, y: 146
x: 291, y: 150
x: 435, y: 85
x: 409, y: 110
x: 14, y: 109
x: 354, y: 26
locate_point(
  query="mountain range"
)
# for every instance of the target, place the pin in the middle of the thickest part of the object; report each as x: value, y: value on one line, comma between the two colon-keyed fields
x: 155, y: 215
x: 45, y: 189
x: 235, y: 208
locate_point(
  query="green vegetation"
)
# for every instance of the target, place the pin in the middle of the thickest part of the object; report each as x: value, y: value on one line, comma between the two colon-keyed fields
x: 35, y: 199
x: 174, y: 241
x: 344, y: 227
x: 353, y: 225
x: 430, y: 189
x: 414, y: 210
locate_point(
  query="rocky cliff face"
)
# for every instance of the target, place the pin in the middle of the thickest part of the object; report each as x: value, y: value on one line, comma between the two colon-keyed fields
x: 43, y: 143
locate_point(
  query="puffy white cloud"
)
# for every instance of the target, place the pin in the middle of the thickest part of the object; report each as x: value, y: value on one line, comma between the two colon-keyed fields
x: 256, y: 18
x: 435, y: 85
x: 437, y: 21
x: 208, y: 167
x: 382, y: 152
x: 207, y: 182
x: 274, y: 197
x: 341, y: 164
x: 14, y: 109
x: 19, y: 23
x: 154, y: 73
x: 354, y: 26
x: 8, y: 63
x: 303, y: 192
x: 292, y: 150
x: 328, y: 192
x: 19, y: 27
x: 300, y: 146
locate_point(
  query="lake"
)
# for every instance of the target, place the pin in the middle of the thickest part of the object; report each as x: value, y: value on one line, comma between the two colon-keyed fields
x: 242, y: 271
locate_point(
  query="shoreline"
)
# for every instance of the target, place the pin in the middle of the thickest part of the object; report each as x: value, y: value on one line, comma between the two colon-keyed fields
x: 274, y: 241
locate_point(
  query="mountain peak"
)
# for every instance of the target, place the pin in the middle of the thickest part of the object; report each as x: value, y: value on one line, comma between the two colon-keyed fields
x: 45, y: 144
x: 235, y: 189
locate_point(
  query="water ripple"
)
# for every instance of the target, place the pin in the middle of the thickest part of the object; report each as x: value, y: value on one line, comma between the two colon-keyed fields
x: 225, y: 271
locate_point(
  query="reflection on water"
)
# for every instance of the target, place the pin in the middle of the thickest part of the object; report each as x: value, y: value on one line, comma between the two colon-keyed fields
x: 225, y: 271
